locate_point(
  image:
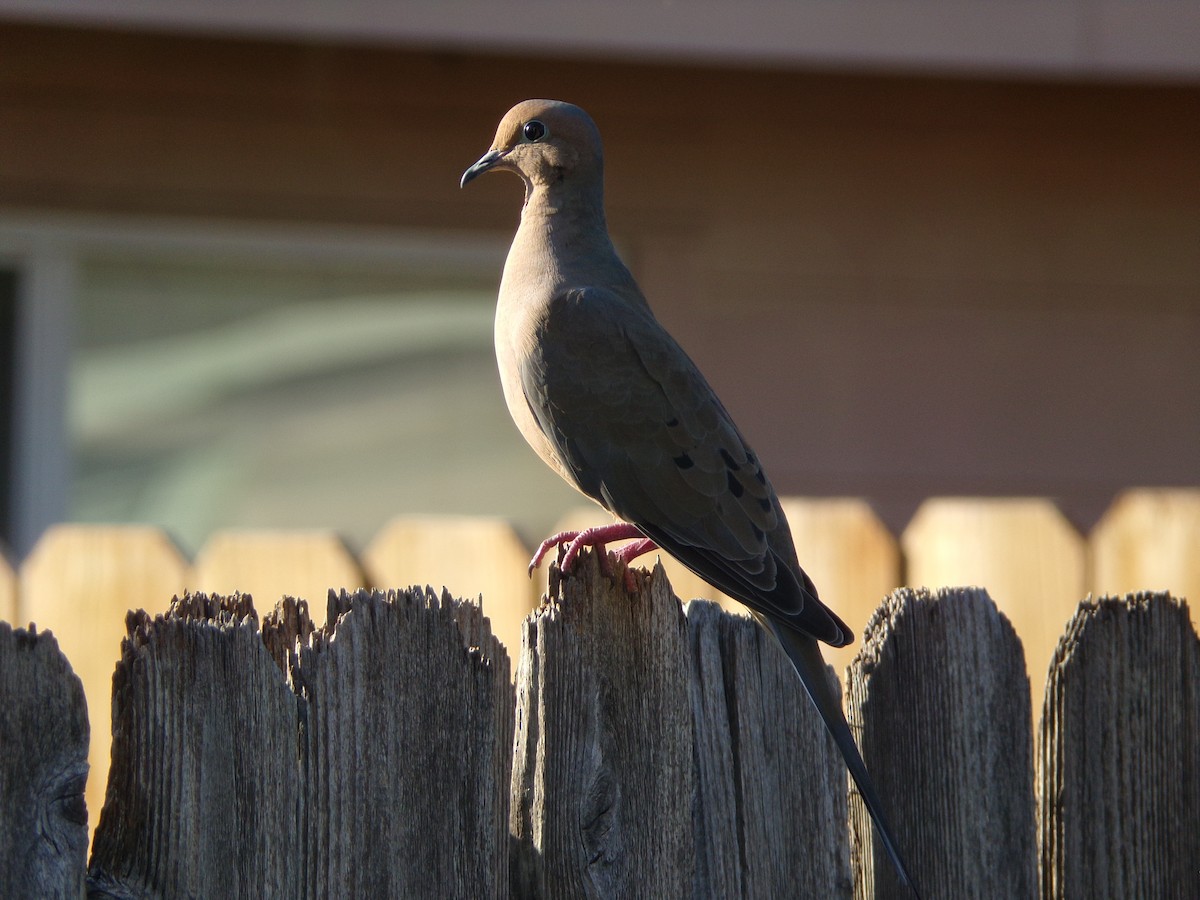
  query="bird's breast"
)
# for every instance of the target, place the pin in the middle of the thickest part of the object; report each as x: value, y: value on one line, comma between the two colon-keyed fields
x: 519, y: 316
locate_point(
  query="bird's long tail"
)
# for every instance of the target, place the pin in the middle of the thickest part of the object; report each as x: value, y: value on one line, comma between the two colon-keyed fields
x: 805, y: 655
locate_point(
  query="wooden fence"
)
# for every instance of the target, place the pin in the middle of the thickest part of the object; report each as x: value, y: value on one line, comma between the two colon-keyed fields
x: 646, y: 750
x: 80, y: 580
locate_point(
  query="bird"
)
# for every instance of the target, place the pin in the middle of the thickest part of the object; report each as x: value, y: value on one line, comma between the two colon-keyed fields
x: 613, y: 404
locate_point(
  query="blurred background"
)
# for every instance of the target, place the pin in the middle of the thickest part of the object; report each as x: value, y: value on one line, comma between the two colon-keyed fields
x: 917, y: 256
x: 954, y: 253
x: 920, y: 250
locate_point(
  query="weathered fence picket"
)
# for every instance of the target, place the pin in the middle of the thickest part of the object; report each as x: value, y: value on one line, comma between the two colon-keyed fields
x: 1119, y: 756
x: 43, y: 766
x: 603, y: 776
x: 406, y: 750
x: 940, y: 694
x: 80, y: 579
x: 647, y: 751
x: 203, y: 784
x: 771, y: 800
x: 378, y: 767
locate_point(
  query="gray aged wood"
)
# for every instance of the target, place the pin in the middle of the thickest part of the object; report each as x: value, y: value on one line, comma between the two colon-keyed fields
x: 407, y: 750
x: 43, y: 768
x: 369, y: 758
x: 1119, y: 755
x: 203, y: 788
x: 603, y: 782
x: 939, y: 698
x: 771, y: 798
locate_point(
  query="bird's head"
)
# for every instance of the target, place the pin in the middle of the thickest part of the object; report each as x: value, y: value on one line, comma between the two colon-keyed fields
x: 545, y: 142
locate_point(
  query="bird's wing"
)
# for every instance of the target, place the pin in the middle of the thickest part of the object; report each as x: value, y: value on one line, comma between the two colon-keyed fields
x: 634, y: 421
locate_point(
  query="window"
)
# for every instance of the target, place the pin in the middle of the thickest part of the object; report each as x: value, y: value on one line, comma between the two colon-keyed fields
x: 283, y: 379
x: 8, y: 372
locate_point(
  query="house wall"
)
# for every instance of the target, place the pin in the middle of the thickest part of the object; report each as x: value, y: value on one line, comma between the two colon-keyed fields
x: 901, y: 286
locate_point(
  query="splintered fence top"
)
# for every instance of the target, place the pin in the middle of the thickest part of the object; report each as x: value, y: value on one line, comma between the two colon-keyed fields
x: 646, y: 749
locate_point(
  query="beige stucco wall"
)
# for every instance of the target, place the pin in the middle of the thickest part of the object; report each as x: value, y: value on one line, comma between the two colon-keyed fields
x: 901, y: 286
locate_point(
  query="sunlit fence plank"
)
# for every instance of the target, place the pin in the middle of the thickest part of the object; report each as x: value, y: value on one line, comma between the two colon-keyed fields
x: 467, y: 555
x: 1024, y: 552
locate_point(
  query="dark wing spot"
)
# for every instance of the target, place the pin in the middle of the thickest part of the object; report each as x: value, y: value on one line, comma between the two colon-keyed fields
x: 765, y: 503
x: 684, y: 461
x: 735, y: 486
x: 753, y: 463
x: 729, y: 463
x: 673, y: 423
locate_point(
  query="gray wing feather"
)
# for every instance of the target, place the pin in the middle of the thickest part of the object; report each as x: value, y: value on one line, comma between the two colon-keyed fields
x: 641, y: 431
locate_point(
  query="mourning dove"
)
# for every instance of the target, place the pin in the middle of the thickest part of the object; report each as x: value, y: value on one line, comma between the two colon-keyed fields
x: 612, y: 403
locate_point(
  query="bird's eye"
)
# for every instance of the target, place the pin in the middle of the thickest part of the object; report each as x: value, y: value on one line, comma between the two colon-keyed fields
x: 534, y: 131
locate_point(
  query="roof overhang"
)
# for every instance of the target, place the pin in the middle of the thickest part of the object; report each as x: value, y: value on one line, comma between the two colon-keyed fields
x: 1109, y: 39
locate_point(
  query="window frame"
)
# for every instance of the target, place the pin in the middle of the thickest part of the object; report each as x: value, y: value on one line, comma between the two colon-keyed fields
x: 46, y: 252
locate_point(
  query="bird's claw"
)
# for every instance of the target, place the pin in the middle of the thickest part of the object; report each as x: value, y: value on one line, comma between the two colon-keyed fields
x: 570, y: 543
x: 555, y: 542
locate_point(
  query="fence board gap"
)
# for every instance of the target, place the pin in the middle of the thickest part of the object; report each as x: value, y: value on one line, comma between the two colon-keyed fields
x: 1119, y: 769
x: 939, y: 699
x: 43, y: 769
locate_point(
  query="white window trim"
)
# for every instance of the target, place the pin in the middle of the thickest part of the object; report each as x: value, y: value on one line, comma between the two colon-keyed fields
x: 45, y: 250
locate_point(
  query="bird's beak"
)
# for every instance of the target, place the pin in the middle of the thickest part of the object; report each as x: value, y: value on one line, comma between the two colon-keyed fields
x: 486, y: 162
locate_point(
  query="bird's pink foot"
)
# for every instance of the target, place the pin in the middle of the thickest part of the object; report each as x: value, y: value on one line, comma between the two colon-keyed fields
x: 554, y: 542
x: 630, y: 552
x: 597, y: 537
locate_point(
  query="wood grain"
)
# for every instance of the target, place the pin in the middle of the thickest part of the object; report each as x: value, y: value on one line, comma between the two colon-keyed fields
x: 406, y: 749
x: 771, y: 785
x: 603, y: 779
x: 939, y: 699
x: 1119, y: 754
x: 367, y: 758
x: 204, y: 785
x: 43, y: 768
